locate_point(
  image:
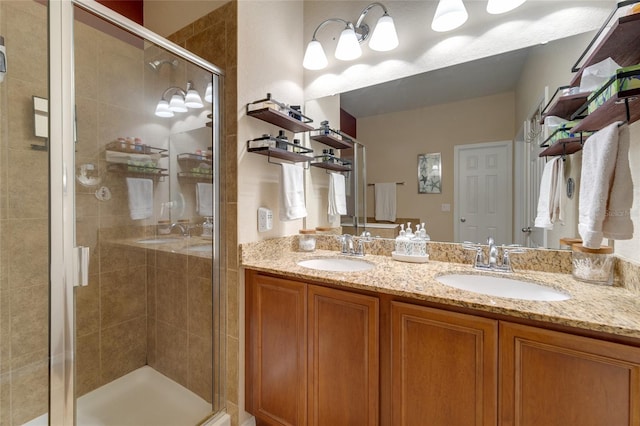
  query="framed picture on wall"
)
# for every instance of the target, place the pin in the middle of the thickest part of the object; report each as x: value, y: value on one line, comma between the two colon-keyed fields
x: 429, y: 173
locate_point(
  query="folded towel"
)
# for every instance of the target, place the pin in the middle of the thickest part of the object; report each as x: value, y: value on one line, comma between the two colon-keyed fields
x: 292, y: 204
x: 599, y: 161
x: 140, y: 198
x: 385, y: 197
x: 559, y: 189
x: 337, y: 195
x: 204, y: 199
x: 617, y: 224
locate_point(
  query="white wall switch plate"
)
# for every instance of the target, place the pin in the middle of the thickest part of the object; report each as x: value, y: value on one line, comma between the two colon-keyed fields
x: 265, y: 219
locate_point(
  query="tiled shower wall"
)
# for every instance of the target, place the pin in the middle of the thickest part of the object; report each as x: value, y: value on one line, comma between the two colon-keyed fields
x: 214, y: 38
x: 24, y: 275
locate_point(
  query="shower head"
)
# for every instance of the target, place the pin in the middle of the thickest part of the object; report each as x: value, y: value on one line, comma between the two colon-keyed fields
x: 158, y: 63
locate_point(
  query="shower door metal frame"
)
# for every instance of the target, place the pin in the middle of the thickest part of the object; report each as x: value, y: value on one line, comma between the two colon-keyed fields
x: 63, y: 258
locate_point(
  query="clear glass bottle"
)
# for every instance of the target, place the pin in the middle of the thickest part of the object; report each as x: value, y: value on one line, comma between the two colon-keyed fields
x: 307, y: 240
x: 592, y: 265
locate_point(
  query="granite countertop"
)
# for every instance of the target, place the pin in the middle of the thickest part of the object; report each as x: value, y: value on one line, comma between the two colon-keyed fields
x: 600, y: 308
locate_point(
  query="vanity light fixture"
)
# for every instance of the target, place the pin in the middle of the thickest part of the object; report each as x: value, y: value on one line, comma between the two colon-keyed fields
x: 450, y: 14
x: 180, y: 101
x: 208, y: 94
x: 383, y: 38
x: 496, y: 7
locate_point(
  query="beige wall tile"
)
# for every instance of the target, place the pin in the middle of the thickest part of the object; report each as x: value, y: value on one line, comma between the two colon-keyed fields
x: 88, y: 307
x: 87, y: 145
x: 27, y: 252
x: 171, y: 352
x: 200, y: 307
x: 171, y: 293
x: 172, y: 262
x: 123, y: 348
x: 122, y: 295
x: 151, y: 342
x: 86, y: 61
x: 114, y: 257
x: 5, y: 398
x: 231, y: 237
x: 151, y: 290
x: 28, y: 178
x: 29, y: 320
x: 87, y: 363
x: 27, y: 30
x: 200, y: 373
x: 232, y: 304
x: 29, y: 392
x: 232, y: 369
x: 5, y: 332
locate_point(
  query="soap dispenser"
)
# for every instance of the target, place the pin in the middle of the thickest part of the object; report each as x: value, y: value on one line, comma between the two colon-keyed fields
x: 409, y: 237
x: 401, y: 241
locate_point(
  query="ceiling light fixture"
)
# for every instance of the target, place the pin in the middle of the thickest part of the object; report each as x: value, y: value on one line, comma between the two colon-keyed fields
x: 383, y: 38
x: 450, y: 14
x: 180, y: 101
x: 496, y: 7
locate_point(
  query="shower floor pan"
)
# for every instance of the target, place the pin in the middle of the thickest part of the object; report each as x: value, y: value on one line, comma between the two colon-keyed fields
x: 142, y: 397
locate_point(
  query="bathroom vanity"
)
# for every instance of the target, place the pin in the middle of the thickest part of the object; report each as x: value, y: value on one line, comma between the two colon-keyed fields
x: 393, y: 346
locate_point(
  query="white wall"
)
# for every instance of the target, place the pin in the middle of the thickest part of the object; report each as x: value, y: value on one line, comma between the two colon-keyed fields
x: 269, y: 56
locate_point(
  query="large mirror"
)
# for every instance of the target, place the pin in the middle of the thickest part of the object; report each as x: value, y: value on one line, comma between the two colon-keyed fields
x: 456, y: 111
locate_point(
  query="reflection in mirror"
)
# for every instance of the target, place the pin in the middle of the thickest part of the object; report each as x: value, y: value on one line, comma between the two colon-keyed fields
x: 191, y: 159
x: 483, y: 101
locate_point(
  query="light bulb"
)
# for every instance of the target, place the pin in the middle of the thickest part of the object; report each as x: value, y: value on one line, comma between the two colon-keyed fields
x: 208, y: 94
x: 450, y: 14
x: 496, y: 7
x: 162, y: 109
x: 314, y: 57
x: 177, y: 104
x: 384, y: 35
x: 348, y: 47
x: 193, y: 100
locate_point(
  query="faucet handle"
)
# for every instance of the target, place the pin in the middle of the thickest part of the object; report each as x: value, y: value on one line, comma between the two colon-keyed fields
x: 508, y: 250
x: 490, y: 241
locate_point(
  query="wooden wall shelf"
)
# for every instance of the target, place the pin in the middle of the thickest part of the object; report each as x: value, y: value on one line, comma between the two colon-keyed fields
x: 332, y: 141
x: 272, y: 116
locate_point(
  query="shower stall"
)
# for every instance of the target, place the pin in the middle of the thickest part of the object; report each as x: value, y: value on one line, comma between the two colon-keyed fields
x: 110, y: 278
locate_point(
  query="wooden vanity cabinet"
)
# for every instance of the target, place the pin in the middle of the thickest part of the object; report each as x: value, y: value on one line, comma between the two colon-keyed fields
x: 444, y: 367
x: 558, y: 379
x: 312, y: 354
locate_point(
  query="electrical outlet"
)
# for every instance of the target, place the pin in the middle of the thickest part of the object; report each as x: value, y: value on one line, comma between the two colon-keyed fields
x: 265, y: 219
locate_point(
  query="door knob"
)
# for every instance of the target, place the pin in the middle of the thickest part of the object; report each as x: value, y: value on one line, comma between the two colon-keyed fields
x: 526, y: 230
x: 463, y: 220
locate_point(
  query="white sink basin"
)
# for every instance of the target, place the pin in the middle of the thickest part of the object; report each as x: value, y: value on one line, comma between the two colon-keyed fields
x: 158, y: 240
x: 337, y: 264
x: 502, y: 287
x: 202, y: 248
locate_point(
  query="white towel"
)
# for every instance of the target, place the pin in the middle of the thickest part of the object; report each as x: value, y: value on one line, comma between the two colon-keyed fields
x: 385, y: 201
x: 140, y: 198
x: 204, y: 199
x: 550, y: 198
x: 292, y: 204
x: 606, y: 189
x: 337, y: 195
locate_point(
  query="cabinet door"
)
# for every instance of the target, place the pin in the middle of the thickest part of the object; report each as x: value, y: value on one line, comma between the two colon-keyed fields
x: 276, y: 350
x: 343, y: 358
x: 443, y: 367
x: 557, y: 379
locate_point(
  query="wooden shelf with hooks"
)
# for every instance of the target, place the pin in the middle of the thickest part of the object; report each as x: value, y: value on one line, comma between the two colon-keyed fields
x: 565, y: 106
x: 566, y: 146
x: 623, y: 106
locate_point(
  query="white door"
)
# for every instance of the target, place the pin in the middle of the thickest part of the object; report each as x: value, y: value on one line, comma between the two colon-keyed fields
x: 482, y: 192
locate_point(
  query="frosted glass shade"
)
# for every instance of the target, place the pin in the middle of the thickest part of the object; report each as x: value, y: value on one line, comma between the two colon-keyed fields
x: 450, y: 14
x: 162, y: 109
x: 502, y: 6
x: 193, y: 99
x: 384, y: 37
x: 208, y: 94
x: 177, y: 104
x: 348, y: 47
x: 314, y: 57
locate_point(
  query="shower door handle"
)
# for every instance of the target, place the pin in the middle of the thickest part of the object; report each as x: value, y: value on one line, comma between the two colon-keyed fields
x: 82, y: 279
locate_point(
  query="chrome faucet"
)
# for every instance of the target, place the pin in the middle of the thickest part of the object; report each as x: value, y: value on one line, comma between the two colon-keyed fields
x: 492, y: 261
x: 184, y: 230
x: 347, y: 242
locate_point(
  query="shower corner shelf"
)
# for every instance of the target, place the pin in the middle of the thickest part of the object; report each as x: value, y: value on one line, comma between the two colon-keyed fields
x: 263, y: 110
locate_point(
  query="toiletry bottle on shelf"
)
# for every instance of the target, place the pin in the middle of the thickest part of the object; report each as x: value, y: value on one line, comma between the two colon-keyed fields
x: 324, y: 127
x: 296, y: 148
x: 281, y: 140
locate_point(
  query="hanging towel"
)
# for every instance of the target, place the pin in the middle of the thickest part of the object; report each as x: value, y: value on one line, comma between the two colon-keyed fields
x: 385, y: 195
x: 337, y: 195
x: 292, y: 204
x: 617, y: 223
x: 606, y: 194
x: 204, y: 199
x: 140, y: 198
x: 551, y: 196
